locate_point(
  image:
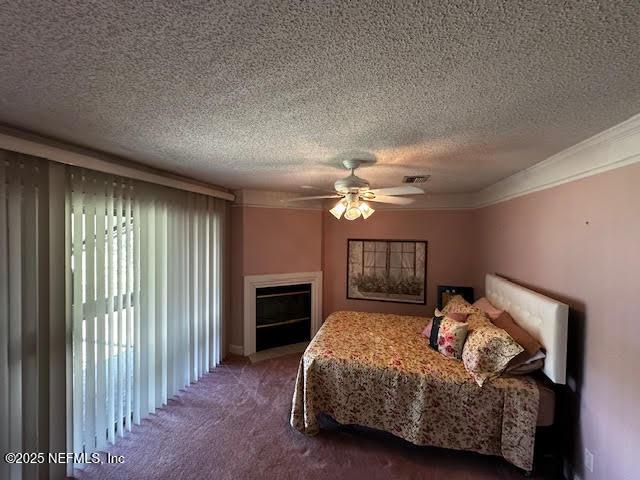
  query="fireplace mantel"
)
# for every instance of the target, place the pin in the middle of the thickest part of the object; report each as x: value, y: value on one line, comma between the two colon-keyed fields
x: 252, y: 282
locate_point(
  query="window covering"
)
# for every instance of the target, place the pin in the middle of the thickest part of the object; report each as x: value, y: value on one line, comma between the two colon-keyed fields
x: 23, y: 311
x: 147, y: 299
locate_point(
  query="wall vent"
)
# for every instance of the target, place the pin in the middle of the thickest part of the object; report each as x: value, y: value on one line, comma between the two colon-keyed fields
x: 416, y: 178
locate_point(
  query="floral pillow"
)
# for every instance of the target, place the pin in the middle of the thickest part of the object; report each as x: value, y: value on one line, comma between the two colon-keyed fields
x: 447, y: 336
x: 458, y: 317
x: 532, y: 347
x: 457, y: 304
x: 477, y: 320
x: 487, y: 352
x: 427, y: 329
x: 526, y: 368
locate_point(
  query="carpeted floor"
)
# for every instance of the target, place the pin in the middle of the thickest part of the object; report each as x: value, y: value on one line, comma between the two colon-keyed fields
x: 234, y: 424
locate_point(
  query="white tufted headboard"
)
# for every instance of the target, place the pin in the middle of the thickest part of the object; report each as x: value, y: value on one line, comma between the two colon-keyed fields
x: 544, y: 318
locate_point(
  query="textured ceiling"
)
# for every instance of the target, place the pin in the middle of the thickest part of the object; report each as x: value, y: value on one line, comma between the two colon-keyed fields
x: 270, y: 94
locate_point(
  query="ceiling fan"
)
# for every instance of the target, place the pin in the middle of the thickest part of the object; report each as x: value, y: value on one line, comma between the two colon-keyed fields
x: 354, y: 193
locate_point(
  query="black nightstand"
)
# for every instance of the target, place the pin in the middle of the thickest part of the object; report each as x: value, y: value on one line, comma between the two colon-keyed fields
x: 445, y: 292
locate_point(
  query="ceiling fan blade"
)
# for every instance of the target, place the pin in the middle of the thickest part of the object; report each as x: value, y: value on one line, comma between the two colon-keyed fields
x: 390, y: 199
x: 401, y: 190
x: 319, y: 189
x: 318, y: 197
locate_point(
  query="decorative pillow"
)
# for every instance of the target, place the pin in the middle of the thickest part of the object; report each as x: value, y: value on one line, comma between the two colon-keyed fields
x: 540, y: 355
x: 427, y: 330
x: 476, y: 320
x: 486, y: 306
x: 487, y: 352
x: 530, y: 345
x: 457, y: 304
x: 448, y: 336
x: 457, y: 316
x: 526, y: 368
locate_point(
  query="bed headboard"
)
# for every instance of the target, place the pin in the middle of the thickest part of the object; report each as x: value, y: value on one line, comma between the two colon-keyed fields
x: 544, y: 318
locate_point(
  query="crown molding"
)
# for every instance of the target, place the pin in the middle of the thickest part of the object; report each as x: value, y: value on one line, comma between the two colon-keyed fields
x: 613, y: 148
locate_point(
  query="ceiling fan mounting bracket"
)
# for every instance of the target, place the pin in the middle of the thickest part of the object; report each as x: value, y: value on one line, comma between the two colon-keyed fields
x: 353, y: 163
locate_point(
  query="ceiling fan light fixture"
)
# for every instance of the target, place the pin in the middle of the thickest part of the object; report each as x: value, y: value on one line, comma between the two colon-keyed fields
x: 365, y: 210
x: 352, y: 212
x: 339, y: 209
x: 355, y: 194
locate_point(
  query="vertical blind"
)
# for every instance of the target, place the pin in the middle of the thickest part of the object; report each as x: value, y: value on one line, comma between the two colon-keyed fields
x: 23, y: 310
x: 147, y: 295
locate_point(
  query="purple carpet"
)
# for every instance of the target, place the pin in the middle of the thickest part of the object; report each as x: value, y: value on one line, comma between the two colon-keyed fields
x: 234, y: 424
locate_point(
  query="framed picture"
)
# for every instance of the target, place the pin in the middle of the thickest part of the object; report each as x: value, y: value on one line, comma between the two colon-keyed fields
x: 387, y: 270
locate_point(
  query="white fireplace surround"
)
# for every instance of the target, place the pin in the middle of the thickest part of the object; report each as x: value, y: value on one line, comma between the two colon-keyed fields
x: 253, y: 282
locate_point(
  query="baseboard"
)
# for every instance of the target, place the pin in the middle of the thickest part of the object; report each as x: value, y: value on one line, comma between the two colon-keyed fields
x: 236, y: 350
x: 278, y: 352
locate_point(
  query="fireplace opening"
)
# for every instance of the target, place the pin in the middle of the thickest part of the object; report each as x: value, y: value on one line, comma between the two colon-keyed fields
x: 283, y: 315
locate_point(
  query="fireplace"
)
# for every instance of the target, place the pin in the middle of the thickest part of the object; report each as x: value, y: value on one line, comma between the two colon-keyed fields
x: 280, y: 309
x: 283, y: 315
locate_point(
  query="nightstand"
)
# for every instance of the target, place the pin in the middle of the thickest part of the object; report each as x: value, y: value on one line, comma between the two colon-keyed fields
x: 445, y: 292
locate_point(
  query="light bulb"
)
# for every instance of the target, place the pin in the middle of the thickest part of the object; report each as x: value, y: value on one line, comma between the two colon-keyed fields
x: 339, y: 209
x: 352, y: 213
x: 366, y: 210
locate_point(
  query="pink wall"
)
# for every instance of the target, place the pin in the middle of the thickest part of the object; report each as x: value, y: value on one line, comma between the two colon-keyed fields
x: 580, y: 242
x: 236, y: 254
x: 279, y: 240
x: 450, y: 253
x: 270, y: 240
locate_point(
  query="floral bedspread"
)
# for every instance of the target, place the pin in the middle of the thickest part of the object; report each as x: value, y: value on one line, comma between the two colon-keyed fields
x: 376, y: 370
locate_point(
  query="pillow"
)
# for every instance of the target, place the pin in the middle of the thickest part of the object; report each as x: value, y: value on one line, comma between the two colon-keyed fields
x: 457, y: 316
x: 487, y: 352
x: 540, y: 355
x: 485, y: 305
x: 457, y: 304
x: 447, y: 336
x: 427, y: 330
x: 476, y: 320
x: 526, y: 368
x: 530, y: 345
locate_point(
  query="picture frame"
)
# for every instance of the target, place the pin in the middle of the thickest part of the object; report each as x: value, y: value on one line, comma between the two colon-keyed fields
x: 387, y: 270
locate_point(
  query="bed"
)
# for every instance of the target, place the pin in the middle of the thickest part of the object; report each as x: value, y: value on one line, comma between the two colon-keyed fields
x: 376, y: 370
